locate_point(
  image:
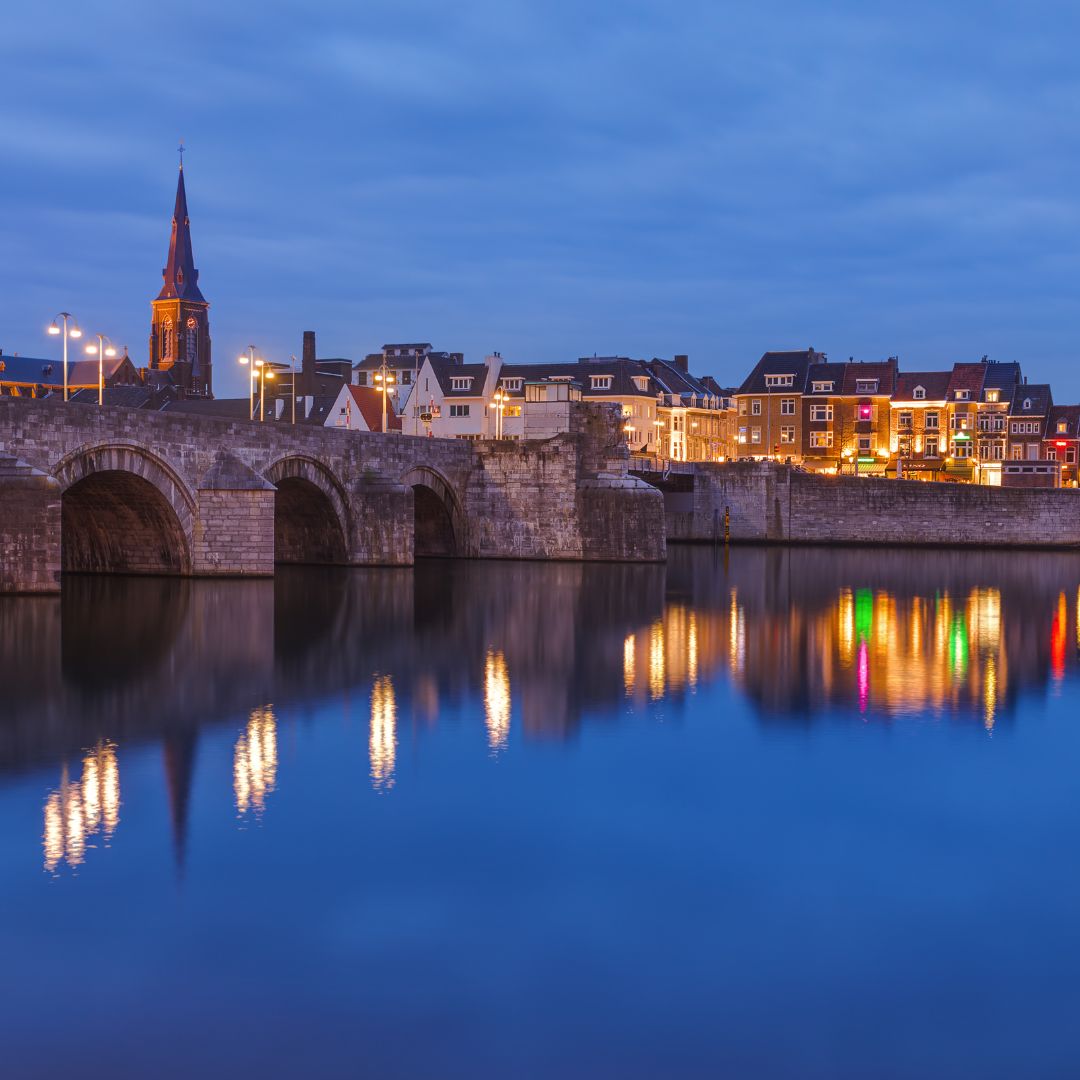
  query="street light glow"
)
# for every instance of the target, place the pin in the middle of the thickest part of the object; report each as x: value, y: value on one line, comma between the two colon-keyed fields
x: 54, y: 330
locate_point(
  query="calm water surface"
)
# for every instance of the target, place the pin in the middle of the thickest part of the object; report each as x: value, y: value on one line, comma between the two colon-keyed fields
x: 782, y: 813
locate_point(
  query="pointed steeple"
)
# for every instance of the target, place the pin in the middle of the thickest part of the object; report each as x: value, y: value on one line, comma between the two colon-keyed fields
x: 181, y: 277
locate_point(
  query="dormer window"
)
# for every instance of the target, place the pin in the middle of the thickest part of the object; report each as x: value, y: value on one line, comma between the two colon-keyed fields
x: 1063, y: 427
x: 919, y: 393
x: 1027, y: 404
x: 776, y: 381
x: 642, y: 383
x: 461, y: 382
x: 600, y: 382
x: 511, y: 384
x: 963, y: 395
x: 993, y: 395
x: 822, y: 387
x: 866, y: 386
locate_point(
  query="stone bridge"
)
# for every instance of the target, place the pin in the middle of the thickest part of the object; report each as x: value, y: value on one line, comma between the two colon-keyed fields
x: 89, y: 489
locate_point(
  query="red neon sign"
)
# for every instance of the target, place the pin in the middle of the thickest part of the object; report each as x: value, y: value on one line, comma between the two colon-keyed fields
x: 1061, y: 443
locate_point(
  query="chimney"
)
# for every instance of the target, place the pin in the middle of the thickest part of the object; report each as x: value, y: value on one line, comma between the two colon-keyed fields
x: 682, y: 363
x: 307, y: 368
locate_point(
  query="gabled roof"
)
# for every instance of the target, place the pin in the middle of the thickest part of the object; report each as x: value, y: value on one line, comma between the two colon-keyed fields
x: 825, y: 373
x: 31, y: 371
x: 935, y: 383
x: 130, y: 397
x: 967, y: 377
x: 370, y: 402
x: 781, y: 363
x: 445, y: 371
x: 181, y: 277
x: 1001, y: 376
x: 1038, y: 394
x: 681, y: 384
x: 1070, y: 414
x: 621, y: 369
x: 884, y: 371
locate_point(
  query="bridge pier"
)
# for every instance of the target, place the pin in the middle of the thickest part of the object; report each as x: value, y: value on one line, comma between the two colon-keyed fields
x: 233, y: 531
x: 29, y: 529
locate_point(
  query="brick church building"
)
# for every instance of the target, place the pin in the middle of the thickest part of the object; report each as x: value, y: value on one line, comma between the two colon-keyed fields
x: 180, y: 325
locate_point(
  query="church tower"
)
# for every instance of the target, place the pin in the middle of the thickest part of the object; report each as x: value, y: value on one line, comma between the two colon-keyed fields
x: 180, y: 324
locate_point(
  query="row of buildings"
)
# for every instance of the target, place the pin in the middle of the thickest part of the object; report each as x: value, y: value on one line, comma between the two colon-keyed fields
x: 870, y: 418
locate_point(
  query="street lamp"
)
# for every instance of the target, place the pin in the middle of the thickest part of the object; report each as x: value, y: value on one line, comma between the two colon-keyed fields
x: 101, y: 350
x: 500, y: 405
x: 253, y: 367
x: 74, y: 332
x: 385, y: 378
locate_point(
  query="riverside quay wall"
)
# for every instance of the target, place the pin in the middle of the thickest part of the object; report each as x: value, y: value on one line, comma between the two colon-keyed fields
x: 765, y: 502
x: 113, y: 490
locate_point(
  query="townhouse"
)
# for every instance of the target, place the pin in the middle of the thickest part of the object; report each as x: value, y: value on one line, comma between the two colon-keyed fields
x: 1061, y: 442
x: 769, y: 405
x: 1028, y: 414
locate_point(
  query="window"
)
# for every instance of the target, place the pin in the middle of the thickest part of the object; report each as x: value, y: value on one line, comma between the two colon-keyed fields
x: 919, y: 393
x: 931, y: 421
x: 461, y: 382
x: 191, y: 342
x: 1016, y: 453
x: 742, y: 407
x: 866, y: 411
x: 932, y: 447
x: 963, y: 395
x: 821, y: 413
x: 993, y: 395
x: 755, y: 435
x: 405, y: 376
x: 787, y: 435
x: 774, y: 381
x: 742, y: 435
x: 864, y: 446
x: 961, y: 449
x: 512, y: 410
x: 642, y: 383
x: 1063, y: 426
x: 166, y: 340
x: 787, y: 406
x: 1025, y: 427
x: 511, y: 384
x: 866, y: 386
x: 820, y: 439
x: 822, y: 387
x: 1027, y: 404
x: 1051, y: 454
x: 1033, y: 451
x: 905, y: 419
x: 600, y: 382
x: 960, y: 422
x: 1070, y: 455
x: 755, y: 408
x: 459, y: 410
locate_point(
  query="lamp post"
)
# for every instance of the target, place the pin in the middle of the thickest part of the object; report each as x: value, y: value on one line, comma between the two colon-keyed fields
x: 101, y: 350
x: 74, y: 332
x: 500, y: 404
x: 385, y: 378
x: 252, y: 365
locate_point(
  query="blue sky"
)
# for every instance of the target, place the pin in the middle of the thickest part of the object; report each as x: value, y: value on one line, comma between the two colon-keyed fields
x: 554, y: 179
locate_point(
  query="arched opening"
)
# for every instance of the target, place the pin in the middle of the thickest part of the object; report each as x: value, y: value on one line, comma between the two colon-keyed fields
x: 306, y: 524
x: 433, y: 524
x: 114, y: 522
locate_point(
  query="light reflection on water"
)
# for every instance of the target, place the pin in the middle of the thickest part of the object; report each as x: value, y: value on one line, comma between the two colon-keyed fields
x: 426, y: 712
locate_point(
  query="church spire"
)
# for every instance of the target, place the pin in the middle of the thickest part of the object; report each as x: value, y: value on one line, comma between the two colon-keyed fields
x: 181, y: 277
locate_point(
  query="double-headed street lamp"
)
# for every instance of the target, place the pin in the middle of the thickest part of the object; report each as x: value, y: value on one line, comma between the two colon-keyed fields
x: 101, y: 350
x: 384, y: 379
x: 501, y: 397
x: 258, y: 371
x: 74, y: 332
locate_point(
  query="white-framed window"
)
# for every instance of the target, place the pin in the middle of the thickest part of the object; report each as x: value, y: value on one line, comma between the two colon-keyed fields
x: 1070, y: 455
x: 866, y: 386
x: 742, y: 406
x: 820, y: 440
x: 961, y: 449
x: 993, y: 395
x: 1051, y: 453
x: 1016, y: 453
x: 821, y: 413
x: 787, y: 434
x: 777, y: 381
x: 755, y: 407
x: 932, y: 421
x: 600, y: 382
x: 1033, y: 451
x: 511, y: 384
x: 755, y: 435
x: 787, y: 406
x: 905, y: 418
x: 919, y: 393
x: 461, y: 382
x: 459, y: 410
x: 822, y: 386
x: 864, y: 446
x: 1027, y: 404
x: 641, y: 382
x: 963, y: 395
x: 932, y: 446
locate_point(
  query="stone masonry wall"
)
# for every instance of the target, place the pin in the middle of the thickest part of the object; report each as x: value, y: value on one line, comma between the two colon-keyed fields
x: 29, y: 529
x: 777, y: 503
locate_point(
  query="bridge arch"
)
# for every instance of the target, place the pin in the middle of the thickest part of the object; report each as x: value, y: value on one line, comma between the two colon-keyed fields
x: 311, y: 512
x: 123, y: 510
x: 438, y: 521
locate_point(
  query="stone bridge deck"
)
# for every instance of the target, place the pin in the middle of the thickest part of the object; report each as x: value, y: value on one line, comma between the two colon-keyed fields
x: 89, y: 489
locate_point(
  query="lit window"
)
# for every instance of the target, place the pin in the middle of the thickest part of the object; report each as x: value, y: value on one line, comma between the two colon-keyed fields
x: 963, y: 395
x: 993, y: 395
x: 755, y: 435
x: 1063, y: 426
x: 787, y: 435
x: 821, y: 439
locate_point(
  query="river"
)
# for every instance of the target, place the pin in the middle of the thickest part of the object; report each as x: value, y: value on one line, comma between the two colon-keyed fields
x: 771, y: 812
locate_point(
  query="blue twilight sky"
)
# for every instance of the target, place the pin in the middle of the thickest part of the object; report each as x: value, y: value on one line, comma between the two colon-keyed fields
x: 553, y: 178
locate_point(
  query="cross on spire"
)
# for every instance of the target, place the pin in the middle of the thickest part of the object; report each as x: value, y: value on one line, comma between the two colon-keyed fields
x: 180, y: 151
